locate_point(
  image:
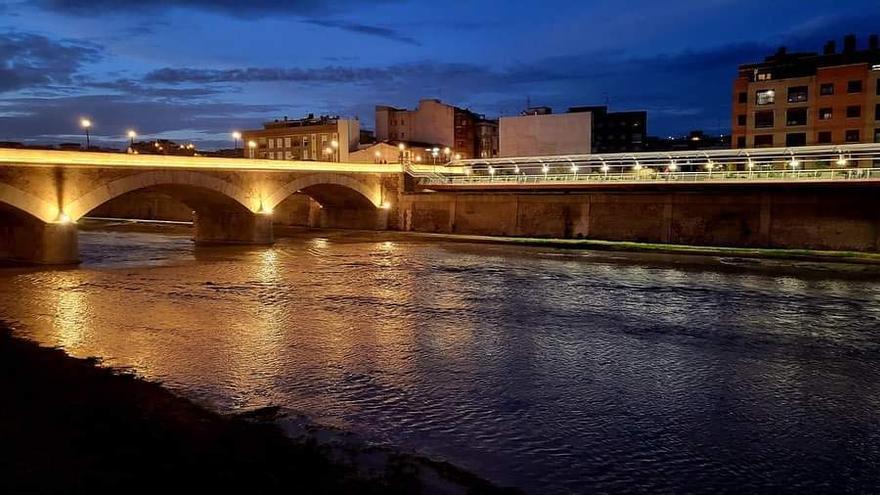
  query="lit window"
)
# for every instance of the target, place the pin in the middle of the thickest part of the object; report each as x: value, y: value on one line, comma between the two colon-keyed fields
x: 825, y: 113
x: 765, y: 76
x: 765, y: 97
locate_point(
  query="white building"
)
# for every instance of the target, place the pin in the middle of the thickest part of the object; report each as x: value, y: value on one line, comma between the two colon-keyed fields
x: 545, y: 134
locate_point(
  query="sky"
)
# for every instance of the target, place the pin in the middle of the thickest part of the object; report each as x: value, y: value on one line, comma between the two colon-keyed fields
x: 195, y: 70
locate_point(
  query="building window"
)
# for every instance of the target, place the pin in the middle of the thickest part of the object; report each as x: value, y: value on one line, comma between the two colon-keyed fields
x: 797, y: 94
x: 877, y: 135
x: 853, y: 111
x: 743, y: 97
x: 796, y: 139
x: 854, y: 86
x: 741, y: 119
x: 826, y: 89
x: 825, y: 113
x: 741, y: 142
x: 824, y: 137
x: 765, y: 97
x: 796, y: 116
x: 878, y: 87
x: 766, y: 76
x: 877, y: 111
x: 271, y: 143
x: 852, y: 136
x: 287, y: 142
x: 764, y: 119
x: 763, y: 140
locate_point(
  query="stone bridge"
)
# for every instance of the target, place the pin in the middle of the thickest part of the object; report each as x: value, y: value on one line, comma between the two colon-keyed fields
x: 44, y: 193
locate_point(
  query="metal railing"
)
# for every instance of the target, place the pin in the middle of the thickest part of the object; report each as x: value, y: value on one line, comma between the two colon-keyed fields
x: 807, y: 163
x: 658, y: 177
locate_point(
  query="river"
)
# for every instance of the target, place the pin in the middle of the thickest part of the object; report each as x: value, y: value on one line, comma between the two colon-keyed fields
x: 551, y: 370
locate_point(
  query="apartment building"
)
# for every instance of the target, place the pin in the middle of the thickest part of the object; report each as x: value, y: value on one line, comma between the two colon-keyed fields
x: 322, y: 138
x: 433, y: 121
x: 798, y: 99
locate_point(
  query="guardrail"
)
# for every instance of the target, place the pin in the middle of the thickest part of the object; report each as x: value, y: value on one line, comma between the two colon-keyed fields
x: 658, y: 177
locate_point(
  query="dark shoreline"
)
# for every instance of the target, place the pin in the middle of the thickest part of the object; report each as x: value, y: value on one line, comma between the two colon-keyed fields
x: 70, y: 426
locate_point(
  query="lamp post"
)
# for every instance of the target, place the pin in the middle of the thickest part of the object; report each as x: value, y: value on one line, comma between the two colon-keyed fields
x: 252, y: 145
x: 448, y: 153
x: 335, y: 151
x: 402, y: 148
x: 131, y: 136
x: 235, y: 137
x: 86, y: 124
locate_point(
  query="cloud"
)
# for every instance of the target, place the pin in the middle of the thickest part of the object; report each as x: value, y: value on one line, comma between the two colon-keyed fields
x: 249, y: 9
x: 55, y: 119
x: 31, y: 60
x: 379, y: 31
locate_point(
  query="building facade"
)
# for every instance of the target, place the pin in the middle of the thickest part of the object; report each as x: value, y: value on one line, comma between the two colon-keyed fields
x: 798, y: 99
x: 542, y: 134
x: 616, y: 132
x: 322, y: 138
x: 436, y: 122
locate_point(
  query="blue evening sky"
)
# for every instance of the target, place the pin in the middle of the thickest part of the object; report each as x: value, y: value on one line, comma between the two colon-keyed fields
x: 196, y: 69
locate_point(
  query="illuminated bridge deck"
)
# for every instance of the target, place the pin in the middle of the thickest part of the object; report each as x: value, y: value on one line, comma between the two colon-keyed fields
x: 838, y: 165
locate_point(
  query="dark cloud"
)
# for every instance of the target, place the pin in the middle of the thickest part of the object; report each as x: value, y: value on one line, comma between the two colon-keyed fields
x: 135, y: 88
x: 52, y: 120
x: 328, y: 74
x: 249, y: 9
x: 380, y: 31
x: 31, y: 60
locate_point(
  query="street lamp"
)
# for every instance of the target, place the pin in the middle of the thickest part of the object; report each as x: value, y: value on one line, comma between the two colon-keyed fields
x: 86, y: 124
x: 235, y: 137
x: 378, y: 156
x: 131, y: 136
x: 402, y: 148
x: 447, y: 152
x: 335, y: 145
x: 253, y: 146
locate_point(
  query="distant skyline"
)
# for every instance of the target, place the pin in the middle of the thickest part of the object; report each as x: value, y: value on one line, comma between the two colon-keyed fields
x: 195, y: 70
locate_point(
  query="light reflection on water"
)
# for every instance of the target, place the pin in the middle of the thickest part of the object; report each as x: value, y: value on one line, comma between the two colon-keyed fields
x: 554, y: 371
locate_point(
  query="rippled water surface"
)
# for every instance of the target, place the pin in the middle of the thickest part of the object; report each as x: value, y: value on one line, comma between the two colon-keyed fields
x: 554, y: 371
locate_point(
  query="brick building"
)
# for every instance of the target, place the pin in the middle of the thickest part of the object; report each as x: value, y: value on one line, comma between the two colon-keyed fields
x: 798, y: 99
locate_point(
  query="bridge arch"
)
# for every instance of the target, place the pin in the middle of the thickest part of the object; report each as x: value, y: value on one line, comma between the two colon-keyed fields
x: 334, y: 183
x: 24, y: 202
x: 196, y: 181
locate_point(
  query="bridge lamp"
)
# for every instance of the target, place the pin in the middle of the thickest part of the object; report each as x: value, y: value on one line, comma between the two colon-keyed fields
x: 751, y: 164
x: 63, y: 218
x: 710, y: 165
x: 841, y: 161
x: 605, y: 168
x: 86, y: 124
x: 574, y: 169
x: 637, y: 166
x: 467, y: 171
x: 672, y: 166
x: 401, y: 146
x: 491, y: 170
x: 545, y: 169
x: 516, y: 169
x: 131, y: 136
x: 794, y: 162
x: 458, y: 156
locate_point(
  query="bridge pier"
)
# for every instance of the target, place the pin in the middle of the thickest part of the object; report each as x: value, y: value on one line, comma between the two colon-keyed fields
x: 39, y: 242
x: 232, y: 227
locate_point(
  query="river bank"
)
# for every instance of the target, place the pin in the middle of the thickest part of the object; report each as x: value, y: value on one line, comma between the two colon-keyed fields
x: 71, y: 426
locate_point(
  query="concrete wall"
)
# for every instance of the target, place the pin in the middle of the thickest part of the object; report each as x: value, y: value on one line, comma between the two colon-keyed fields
x: 549, y: 134
x: 813, y: 219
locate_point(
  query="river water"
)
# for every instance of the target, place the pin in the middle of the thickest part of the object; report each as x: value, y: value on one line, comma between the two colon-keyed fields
x: 553, y: 371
